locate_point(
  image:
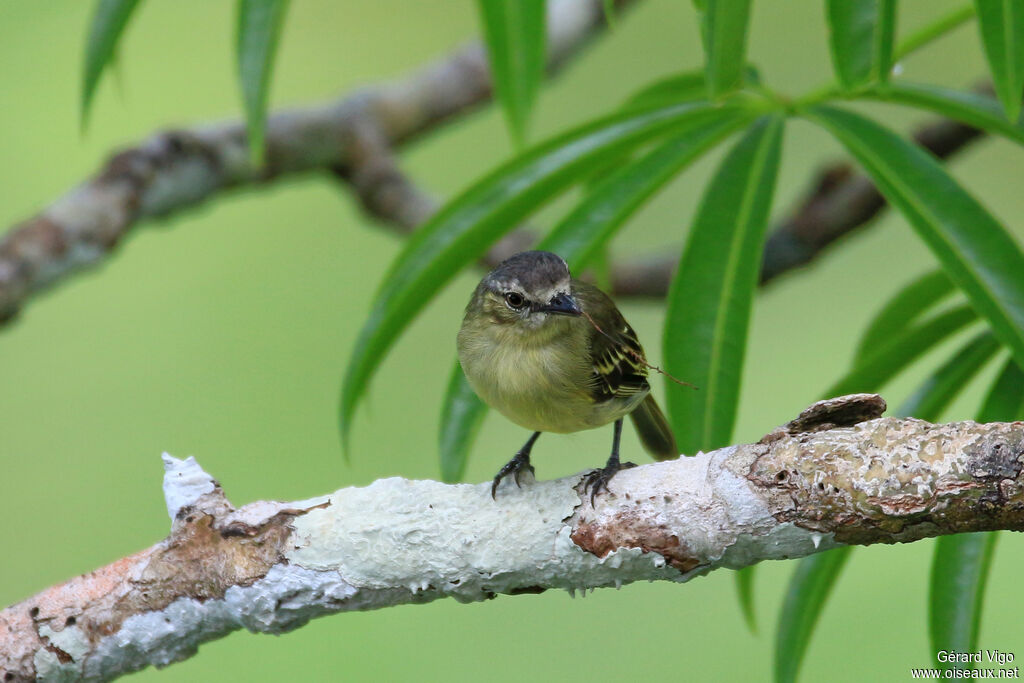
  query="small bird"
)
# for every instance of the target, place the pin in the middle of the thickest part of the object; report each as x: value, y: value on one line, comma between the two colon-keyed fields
x: 554, y: 354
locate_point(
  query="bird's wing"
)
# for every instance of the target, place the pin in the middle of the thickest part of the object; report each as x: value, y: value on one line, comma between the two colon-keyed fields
x: 618, y: 361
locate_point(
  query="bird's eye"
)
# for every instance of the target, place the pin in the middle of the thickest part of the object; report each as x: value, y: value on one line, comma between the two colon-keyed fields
x: 515, y: 300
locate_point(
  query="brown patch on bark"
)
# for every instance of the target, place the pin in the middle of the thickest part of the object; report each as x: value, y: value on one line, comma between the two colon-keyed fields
x: 34, y: 240
x: 216, y: 558
x: 200, y: 560
x: 842, y: 411
x: 628, y: 529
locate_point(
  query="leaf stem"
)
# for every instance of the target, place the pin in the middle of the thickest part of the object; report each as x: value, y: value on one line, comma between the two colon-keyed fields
x: 915, y: 41
x: 933, y: 31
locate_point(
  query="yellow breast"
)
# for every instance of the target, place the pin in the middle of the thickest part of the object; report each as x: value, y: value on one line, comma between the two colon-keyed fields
x: 540, y: 382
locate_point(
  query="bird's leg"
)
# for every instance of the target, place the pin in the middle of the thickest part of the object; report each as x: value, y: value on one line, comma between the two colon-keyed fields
x: 598, y: 479
x: 516, y: 465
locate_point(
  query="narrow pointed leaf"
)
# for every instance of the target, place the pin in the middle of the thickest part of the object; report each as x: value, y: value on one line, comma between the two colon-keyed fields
x: 680, y: 87
x: 860, y: 36
x: 971, y: 108
x: 724, y: 31
x: 461, y: 417
x: 608, y: 7
x: 710, y: 298
x: 960, y: 568
x: 973, y: 248
x: 945, y: 384
x: 895, y: 354
x: 1001, y: 23
x: 613, y: 199
x: 462, y: 231
x: 514, y: 33
x: 258, y: 32
x: 1005, y: 400
x: 884, y: 38
x: 108, y: 22
x: 961, y: 563
x: 805, y: 599
x: 906, y: 307
x: 745, y: 595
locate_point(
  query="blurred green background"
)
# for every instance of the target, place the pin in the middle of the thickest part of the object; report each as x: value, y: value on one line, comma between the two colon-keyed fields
x: 223, y: 333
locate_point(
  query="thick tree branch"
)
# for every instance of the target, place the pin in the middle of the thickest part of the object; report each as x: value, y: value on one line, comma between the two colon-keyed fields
x: 178, y: 169
x: 825, y: 479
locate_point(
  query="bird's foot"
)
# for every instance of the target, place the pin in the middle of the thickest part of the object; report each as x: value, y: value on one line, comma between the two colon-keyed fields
x: 514, y: 467
x: 597, y: 480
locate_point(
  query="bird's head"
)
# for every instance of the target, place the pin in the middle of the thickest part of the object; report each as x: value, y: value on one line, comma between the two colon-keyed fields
x: 528, y: 290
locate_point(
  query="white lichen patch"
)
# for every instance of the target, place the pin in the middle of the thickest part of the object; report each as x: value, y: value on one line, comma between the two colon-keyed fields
x: 424, y: 535
x: 184, y: 483
x: 427, y: 537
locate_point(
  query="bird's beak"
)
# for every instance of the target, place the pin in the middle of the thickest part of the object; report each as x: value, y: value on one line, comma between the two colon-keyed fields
x: 562, y: 304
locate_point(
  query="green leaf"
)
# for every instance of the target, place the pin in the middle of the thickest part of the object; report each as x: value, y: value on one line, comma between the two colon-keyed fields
x: 893, y: 355
x: 608, y: 7
x: 745, y: 594
x: 960, y: 570
x: 945, y: 384
x: 680, y: 87
x: 860, y: 35
x: 710, y: 298
x: 1005, y: 400
x: 516, y: 42
x: 961, y: 564
x: 612, y: 200
x: 108, y: 22
x: 724, y: 24
x: 1001, y: 23
x: 805, y: 599
x: 258, y: 32
x: 885, y: 36
x: 462, y: 231
x: 967, y: 107
x: 906, y: 307
x: 973, y: 248
x: 461, y: 416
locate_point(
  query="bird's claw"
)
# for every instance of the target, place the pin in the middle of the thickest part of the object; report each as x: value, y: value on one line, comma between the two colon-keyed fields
x: 597, y: 480
x: 515, y: 467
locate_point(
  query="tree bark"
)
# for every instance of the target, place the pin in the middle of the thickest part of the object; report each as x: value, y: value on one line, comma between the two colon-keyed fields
x: 837, y: 475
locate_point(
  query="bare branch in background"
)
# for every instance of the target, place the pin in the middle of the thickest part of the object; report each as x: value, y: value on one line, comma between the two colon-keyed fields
x: 356, y: 138
x: 176, y: 170
x: 809, y: 486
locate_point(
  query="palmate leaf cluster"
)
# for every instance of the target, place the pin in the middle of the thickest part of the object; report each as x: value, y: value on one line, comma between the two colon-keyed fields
x: 653, y: 138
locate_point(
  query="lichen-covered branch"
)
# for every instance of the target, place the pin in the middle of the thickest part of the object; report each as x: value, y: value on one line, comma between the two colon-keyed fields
x: 178, y: 169
x: 838, y: 474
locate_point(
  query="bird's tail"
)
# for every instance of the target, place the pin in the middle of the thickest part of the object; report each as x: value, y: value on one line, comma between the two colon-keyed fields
x: 653, y: 429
